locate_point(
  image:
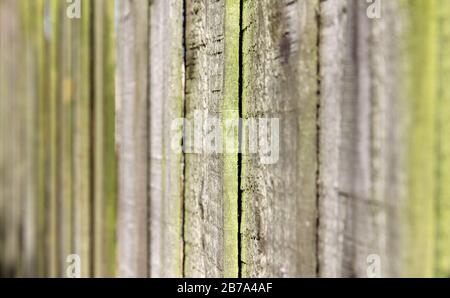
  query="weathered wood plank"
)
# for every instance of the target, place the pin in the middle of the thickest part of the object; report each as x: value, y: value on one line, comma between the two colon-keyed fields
x: 166, y: 104
x: 331, y: 208
x: 13, y: 142
x: 41, y: 76
x: 230, y: 114
x: 280, y: 80
x: 388, y: 66
x: 104, y: 148
x: 421, y: 224
x: 65, y: 141
x: 361, y: 138
x: 82, y: 139
x: 211, y: 193
x: 443, y: 154
x: 3, y: 137
x: 54, y: 16
x: 33, y: 48
x: 132, y: 137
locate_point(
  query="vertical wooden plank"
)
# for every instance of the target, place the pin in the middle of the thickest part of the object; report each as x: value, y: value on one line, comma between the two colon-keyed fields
x: 361, y: 126
x: 53, y: 8
x: 110, y: 158
x: 132, y: 137
x: 280, y: 80
x: 230, y: 114
x: 99, y: 205
x: 443, y: 154
x: 10, y: 163
x: 18, y: 100
x: 42, y: 75
x: 331, y: 208
x: 388, y: 69
x: 104, y: 152
x: 65, y: 142
x: 82, y: 139
x: 421, y: 222
x: 211, y: 180
x: 3, y: 157
x: 355, y: 156
x: 166, y: 104
x: 380, y: 88
x: 18, y: 177
x: 203, y: 227
x: 32, y: 34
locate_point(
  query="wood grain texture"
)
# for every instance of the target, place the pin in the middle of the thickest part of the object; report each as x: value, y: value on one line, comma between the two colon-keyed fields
x: 104, y: 174
x: 166, y: 104
x: 280, y: 80
x: 132, y: 137
x: 212, y: 33
x: 360, y: 183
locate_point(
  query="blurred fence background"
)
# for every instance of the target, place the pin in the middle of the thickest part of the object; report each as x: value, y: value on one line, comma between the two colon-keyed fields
x: 58, y: 164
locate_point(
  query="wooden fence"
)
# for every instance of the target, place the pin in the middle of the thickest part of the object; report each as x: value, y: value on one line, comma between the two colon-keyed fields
x: 94, y: 94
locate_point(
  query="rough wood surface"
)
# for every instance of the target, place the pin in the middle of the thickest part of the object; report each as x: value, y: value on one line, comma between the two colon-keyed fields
x: 212, y: 35
x: 280, y: 80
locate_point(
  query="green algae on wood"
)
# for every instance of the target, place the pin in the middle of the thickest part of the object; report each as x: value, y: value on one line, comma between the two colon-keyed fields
x: 230, y: 162
x: 421, y: 224
x: 82, y: 138
x: 442, y: 207
x: 211, y: 180
x: 104, y: 146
